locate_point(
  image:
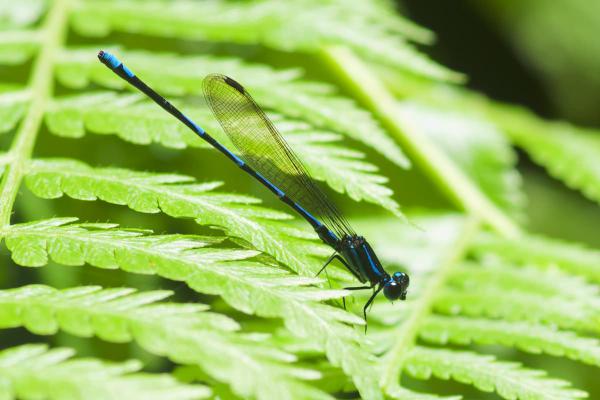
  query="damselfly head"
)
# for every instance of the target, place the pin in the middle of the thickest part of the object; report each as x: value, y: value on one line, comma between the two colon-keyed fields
x: 396, y: 286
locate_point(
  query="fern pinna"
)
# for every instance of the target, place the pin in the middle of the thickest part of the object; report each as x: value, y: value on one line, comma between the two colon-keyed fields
x: 485, y: 291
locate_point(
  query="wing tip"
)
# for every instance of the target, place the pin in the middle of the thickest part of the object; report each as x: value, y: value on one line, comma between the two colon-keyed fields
x: 234, y: 84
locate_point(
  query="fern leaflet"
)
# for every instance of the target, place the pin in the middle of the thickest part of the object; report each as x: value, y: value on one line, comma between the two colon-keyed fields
x: 316, y: 24
x: 179, y: 331
x: 509, y: 380
x: 33, y: 371
x: 497, y: 303
x: 12, y: 109
x: 533, y: 338
x: 137, y: 122
x: 179, y: 196
x: 16, y: 47
x: 568, y: 153
x: 542, y: 252
x: 252, y: 288
x: 281, y: 91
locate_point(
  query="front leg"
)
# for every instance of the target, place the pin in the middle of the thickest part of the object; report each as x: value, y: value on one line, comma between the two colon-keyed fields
x: 375, y: 293
x: 354, y: 288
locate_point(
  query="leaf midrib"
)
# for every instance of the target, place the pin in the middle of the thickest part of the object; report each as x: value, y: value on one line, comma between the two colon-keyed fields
x: 54, y: 32
x: 393, y: 361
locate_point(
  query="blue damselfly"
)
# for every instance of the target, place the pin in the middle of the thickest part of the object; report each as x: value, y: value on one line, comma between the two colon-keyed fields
x: 265, y: 155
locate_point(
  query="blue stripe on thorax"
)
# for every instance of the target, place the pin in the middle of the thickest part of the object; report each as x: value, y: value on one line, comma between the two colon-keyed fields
x: 372, y: 264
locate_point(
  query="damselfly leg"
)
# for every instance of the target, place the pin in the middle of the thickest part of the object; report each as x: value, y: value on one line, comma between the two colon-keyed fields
x: 354, y: 288
x: 375, y: 293
x: 334, y: 256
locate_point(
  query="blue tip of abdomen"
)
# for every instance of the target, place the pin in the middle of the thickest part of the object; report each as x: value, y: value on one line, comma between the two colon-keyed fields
x: 109, y: 59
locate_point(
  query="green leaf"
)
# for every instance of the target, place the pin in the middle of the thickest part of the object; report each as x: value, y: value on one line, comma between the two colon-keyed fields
x: 518, y: 306
x: 496, y: 274
x: 459, y: 187
x: 251, y: 288
x: 138, y: 122
x: 487, y: 374
x: 452, y: 270
x: 542, y: 252
x: 34, y: 372
x: 16, y: 47
x: 403, y: 321
x: 475, y: 145
x: 315, y: 24
x: 179, y: 331
x: 569, y: 153
x: 533, y: 338
x: 282, y: 91
x: 179, y: 196
x: 12, y: 109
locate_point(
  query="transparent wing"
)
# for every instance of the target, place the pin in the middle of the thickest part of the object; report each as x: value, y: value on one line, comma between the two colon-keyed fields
x: 263, y: 148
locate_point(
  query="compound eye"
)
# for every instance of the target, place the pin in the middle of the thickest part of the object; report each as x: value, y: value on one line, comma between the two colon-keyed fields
x: 392, y: 291
x: 401, y: 278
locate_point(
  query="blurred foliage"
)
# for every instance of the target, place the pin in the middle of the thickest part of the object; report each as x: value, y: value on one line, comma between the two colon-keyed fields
x: 559, y: 41
x: 494, y: 304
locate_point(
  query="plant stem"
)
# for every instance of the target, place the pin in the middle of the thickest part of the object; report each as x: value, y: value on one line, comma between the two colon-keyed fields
x: 53, y: 32
x: 367, y: 88
x: 392, y: 363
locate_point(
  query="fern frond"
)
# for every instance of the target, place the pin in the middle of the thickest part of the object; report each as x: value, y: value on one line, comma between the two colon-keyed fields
x: 138, y: 122
x: 12, y: 109
x: 105, y: 246
x: 282, y: 91
x: 479, y: 149
x: 455, y: 183
x: 542, y: 252
x: 569, y: 153
x: 518, y: 306
x: 533, y: 338
x: 304, y: 26
x: 402, y: 321
x: 255, y: 289
x: 179, y: 331
x: 498, y: 275
x: 179, y: 196
x: 387, y: 14
x: 508, y: 379
x: 36, y: 372
x: 16, y: 47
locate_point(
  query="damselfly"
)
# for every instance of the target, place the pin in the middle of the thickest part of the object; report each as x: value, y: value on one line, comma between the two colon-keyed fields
x: 265, y: 155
